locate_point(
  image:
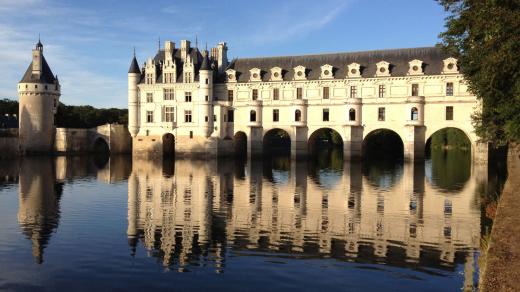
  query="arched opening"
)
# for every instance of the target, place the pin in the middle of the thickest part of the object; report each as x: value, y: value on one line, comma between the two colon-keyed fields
x: 352, y: 114
x: 101, y: 146
x: 101, y: 152
x: 276, y: 142
x: 168, y: 142
x: 326, y: 147
x: 383, y: 144
x: 448, y: 154
x: 252, y: 116
x: 240, y: 144
x: 414, y: 114
x: 297, y: 116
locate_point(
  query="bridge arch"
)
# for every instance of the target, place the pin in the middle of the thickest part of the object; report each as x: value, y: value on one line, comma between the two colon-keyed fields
x: 101, y: 145
x: 382, y: 143
x: 240, y: 143
x: 325, y: 138
x: 168, y: 143
x: 276, y: 141
x: 448, y: 136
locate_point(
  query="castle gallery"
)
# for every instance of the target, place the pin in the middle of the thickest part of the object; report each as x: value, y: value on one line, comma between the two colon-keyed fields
x: 192, y: 101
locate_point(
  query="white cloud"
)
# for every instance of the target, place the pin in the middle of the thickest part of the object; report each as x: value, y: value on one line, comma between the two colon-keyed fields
x: 296, y: 20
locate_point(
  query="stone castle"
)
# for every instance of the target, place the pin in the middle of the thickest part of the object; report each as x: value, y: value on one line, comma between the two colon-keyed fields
x: 192, y: 101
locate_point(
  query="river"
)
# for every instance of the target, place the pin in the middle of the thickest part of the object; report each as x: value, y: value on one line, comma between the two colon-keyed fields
x: 255, y: 225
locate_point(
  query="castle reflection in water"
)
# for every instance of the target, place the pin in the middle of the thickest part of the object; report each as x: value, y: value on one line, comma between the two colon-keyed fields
x: 189, y: 213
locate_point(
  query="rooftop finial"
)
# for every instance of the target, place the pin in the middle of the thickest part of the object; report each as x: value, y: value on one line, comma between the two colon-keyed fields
x: 196, y: 41
x: 206, y: 46
x: 134, y: 51
x: 159, y: 43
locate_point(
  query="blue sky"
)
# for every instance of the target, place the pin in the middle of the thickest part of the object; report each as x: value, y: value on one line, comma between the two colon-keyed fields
x: 89, y: 44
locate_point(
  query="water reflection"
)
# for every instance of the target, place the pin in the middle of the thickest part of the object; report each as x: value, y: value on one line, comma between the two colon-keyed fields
x: 191, y: 214
x: 376, y: 213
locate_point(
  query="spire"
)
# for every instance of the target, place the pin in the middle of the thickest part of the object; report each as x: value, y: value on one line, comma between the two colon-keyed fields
x: 196, y: 41
x: 205, y: 61
x: 159, y: 43
x: 39, y: 45
x: 134, y: 66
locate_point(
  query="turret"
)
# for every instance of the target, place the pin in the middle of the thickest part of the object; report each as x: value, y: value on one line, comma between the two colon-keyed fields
x: 134, y: 76
x: 38, y: 92
x: 206, y: 94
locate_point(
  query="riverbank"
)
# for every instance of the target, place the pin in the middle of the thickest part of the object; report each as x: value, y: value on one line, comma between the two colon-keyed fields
x: 502, y: 269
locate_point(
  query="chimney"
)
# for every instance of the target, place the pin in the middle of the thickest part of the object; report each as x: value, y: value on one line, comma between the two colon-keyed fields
x: 214, y: 54
x: 169, y: 47
x: 185, y: 48
x: 222, y: 57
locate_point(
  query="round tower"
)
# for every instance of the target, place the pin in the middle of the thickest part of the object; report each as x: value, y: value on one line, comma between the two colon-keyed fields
x: 39, y: 92
x: 134, y: 76
x: 205, y: 101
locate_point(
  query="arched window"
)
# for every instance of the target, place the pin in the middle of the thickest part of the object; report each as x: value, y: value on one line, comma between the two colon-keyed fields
x: 252, y: 116
x: 414, y: 114
x: 297, y: 116
x: 352, y: 114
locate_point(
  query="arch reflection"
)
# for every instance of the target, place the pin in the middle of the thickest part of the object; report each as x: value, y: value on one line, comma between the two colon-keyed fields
x: 201, y: 212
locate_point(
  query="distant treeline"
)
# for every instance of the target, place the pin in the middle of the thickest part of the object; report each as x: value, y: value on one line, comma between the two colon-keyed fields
x: 71, y: 116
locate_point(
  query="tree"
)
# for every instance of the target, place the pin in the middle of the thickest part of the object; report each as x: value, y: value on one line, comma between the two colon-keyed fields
x: 484, y: 35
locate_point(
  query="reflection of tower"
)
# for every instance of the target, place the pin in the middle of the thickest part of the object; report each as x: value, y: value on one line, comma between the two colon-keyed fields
x: 39, y: 199
x: 39, y: 93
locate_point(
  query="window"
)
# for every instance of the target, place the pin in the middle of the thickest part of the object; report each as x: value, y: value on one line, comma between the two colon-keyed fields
x: 168, y: 114
x: 414, y: 114
x: 231, y: 116
x: 415, y: 89
x: 381, y: 114
x: 187, y: 77
x: 191, y: 134
x: 207, y: 81
x: 352, y: 114
x: 214, y: 118
x: 276, y: 115
x: 382, y: 91
x: 169, y: 94
x: 299, y: 93
x: 168, y: 78
x: 276, y: 94
x: 149, y: 116
x: 325, y: 114
x: 149, y: 97
x: 297, y: 116
x: 255, y: 94
x: 149, y: 78
x: 206, y: 119
x: 206, y: 98
x: 230, y: 95
x: 325, y: 92
x: 187, y: 116
x: 449, y: 113
x: 252, y: 116
x: 187, y: 96
x: 449, y: 89
x: 353, y: 91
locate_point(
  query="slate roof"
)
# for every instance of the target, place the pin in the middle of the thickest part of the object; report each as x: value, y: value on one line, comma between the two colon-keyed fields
x: 432, y: 58
x: 45, y: 77
x: 134, y: 67
x: 205, y: 62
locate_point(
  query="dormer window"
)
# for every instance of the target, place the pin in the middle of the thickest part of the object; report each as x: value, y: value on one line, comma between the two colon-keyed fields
x: 382, y: 69
x: 354, y: 70
x: 299, y: 73
x: 450, y: 66
x: 255, y: 75
x: 231, y: 75
x: 326, y: 72
x: 276, y: 74
x: 415, y: 67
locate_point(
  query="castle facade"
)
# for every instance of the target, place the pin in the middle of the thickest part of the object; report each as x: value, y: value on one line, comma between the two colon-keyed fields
x: 192, y: 101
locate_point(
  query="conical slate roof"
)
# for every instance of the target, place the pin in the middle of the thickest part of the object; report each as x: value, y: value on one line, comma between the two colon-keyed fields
x: 205, y: 62
x: 45, y: 77
x: 134, y: 67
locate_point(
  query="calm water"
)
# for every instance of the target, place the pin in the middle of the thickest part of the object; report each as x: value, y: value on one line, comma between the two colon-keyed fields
x: 255, y: 225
